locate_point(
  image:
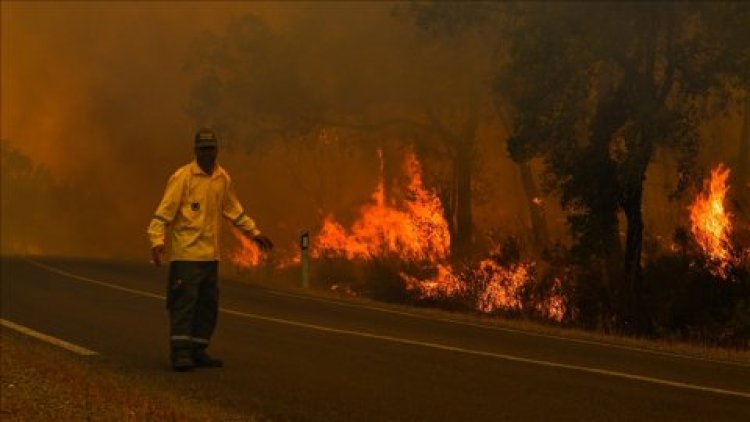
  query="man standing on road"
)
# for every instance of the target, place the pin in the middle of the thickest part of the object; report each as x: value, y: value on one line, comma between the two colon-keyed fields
x: 197, y: 196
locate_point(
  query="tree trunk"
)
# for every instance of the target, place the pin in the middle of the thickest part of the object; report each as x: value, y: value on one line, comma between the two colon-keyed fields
x: 633, y: 316
x: 536, y: 210
x: 390, y: 168
x: 601, y: 235
x: 461, y: 245
x: 448, y: 201
x: 743, y: 163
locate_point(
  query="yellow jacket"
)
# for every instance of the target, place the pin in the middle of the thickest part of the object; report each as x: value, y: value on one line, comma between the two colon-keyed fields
x: 193, y: 204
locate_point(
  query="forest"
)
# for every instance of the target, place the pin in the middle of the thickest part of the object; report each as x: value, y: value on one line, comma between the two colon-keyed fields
x: 584, y: 164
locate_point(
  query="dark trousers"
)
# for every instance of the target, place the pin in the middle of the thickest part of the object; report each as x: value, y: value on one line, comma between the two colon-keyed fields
x: 193, y: 304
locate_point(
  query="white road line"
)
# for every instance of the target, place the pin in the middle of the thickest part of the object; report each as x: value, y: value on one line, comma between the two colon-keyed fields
x: 424, y: 317
x: 47, y: 338
x: 437, y: 346
x: 494, y: 355
x: 92, y: 281
x: 507, y: 330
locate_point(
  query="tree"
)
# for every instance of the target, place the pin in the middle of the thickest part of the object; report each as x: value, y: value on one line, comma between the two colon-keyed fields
x: 452, y: 22
x: 259, y: 85
x: 250, y: 86
x: 43, y: 215
x: 596, y: 89
x: 743, y: 161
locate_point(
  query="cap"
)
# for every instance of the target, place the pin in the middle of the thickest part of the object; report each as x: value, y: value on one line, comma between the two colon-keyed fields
x: 205, y: 138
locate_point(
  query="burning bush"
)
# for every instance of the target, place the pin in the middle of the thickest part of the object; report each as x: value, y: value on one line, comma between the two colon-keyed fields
x: 700, y: 289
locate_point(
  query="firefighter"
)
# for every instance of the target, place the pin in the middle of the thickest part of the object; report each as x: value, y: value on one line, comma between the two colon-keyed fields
x: 197, y: 196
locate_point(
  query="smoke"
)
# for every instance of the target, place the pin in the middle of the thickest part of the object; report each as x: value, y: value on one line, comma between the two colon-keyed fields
x: 97, y: 95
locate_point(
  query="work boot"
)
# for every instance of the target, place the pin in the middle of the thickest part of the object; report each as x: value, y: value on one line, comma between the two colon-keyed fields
x: 182, y: 361
x: 204, y: 360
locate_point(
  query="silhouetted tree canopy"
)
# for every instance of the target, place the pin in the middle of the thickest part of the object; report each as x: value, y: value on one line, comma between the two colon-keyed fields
x: 597, y: 88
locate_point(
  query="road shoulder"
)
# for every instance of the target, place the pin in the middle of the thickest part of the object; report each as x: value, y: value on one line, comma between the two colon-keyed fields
x: 42, y: 382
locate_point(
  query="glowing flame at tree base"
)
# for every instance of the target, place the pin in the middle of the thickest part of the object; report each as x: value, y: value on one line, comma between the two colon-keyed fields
x: 711, y: 223
x: 415, y: 231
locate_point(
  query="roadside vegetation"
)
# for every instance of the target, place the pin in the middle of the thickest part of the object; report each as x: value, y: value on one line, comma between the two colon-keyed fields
x: 574, y: 167
x: 288, y: 281
x: 590, y: 102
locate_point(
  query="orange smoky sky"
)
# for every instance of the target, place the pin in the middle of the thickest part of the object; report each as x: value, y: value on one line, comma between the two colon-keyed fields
x: 90, y: 82
x: 96, y: 94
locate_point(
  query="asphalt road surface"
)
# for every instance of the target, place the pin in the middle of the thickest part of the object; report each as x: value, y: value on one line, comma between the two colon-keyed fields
x: 292, y: 357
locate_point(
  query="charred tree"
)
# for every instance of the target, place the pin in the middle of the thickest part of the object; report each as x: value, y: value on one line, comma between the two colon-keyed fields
x: 632, y: 314
x: 540, y: 232
x: 596, y: 115
x: 463, y: 167
x: 743, y: 162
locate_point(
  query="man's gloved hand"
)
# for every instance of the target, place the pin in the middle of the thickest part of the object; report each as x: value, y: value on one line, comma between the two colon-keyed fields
x: 263, y: 242
x: 157, y: 252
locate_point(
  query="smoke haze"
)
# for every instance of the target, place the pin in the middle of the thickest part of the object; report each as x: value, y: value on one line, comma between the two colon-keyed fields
x: 97, y: 96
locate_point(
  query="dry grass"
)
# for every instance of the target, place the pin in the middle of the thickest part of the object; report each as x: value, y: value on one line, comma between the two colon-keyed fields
x: 40, y: 382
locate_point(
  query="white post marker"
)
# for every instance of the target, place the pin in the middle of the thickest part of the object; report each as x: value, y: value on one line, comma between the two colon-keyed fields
x: 304, y: 245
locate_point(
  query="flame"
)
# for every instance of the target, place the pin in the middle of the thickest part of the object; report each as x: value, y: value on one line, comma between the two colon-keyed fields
x: 444, y: 284
x: 247, y: 255
x: 554, y: 307
x: 413, y: 231
x: 503, y: 285
x: 711, y: 223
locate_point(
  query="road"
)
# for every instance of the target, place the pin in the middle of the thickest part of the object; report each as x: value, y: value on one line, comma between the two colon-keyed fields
x: 293, y: 357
